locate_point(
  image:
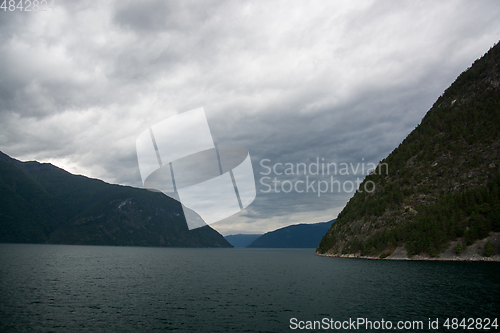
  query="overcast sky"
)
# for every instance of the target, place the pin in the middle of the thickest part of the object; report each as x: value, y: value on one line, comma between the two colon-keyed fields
x: 292, y: 81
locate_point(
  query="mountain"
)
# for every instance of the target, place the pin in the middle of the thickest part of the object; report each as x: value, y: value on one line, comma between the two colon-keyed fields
x: 242, y: 240
x: 293, y: 236
x: 41, y: 203
x: 440, y: 187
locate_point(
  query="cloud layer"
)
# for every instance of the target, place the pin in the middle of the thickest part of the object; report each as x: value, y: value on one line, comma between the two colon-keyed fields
x: 291, y: 81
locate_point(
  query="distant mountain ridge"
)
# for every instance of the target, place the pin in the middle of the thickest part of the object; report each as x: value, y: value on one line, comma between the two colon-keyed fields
x: 293, y: 236
x: 241, y: 240
x: 443, y: 184
x: 41, y: 203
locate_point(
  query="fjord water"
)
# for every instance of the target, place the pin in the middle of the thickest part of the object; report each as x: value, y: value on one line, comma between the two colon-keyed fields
x: 67, y: 288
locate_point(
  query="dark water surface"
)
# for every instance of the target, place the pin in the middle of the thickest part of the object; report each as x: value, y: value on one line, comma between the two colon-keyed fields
x: 63, y: 288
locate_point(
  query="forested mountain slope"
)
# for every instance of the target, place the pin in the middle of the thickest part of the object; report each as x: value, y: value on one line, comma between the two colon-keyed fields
x: 41, y: 203
x: 441, y: 184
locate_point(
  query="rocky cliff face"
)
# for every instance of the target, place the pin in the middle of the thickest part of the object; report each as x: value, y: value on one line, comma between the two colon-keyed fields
x: 442, y: 183
x: 40, y: 203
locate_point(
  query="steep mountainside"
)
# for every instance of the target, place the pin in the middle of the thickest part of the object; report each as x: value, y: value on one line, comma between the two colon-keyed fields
x: 40, y: 203
x: 293, y: 236
x: 442, y: 183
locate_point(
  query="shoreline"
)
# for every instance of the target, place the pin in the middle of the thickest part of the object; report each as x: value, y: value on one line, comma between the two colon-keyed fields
x: 472, y: 252
x: 495, y: 258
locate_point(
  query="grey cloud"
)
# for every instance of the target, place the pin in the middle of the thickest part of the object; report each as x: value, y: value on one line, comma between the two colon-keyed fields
x: 157, y: 15
x: 147, y: 16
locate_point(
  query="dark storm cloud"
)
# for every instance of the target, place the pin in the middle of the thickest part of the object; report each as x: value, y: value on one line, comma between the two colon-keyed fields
x: 290, y: 81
